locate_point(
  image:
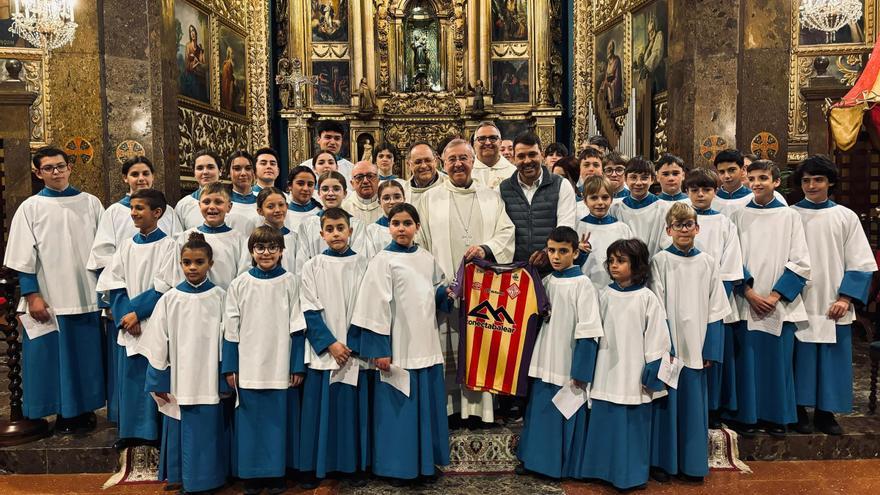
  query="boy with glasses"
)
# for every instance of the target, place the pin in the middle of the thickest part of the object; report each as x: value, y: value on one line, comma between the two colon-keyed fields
x: 688, y: 283
x: 49, y: 242
x: 614, y: 169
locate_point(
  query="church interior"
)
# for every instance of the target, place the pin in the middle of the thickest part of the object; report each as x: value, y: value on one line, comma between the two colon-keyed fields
x: 107, y: 81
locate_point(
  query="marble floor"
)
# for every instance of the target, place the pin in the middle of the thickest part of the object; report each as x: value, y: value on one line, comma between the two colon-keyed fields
x: 857, y: 477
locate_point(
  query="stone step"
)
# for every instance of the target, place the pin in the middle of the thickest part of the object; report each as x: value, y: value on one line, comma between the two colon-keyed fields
x: 471, y: 451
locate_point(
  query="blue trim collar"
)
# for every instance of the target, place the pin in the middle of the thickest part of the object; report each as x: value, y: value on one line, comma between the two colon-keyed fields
x: 806, y: 203
x: 570, y: 272
x: 337, y: 254
x: 606, y: 220
x: 772, y: 204
x: 153, y: 236
x: 51, y: 193
x: 387, y: 177
x: 631, y: 288
x: 125, y: 201
x: 244, y: 199
x: 394, y: 247
x: 207, y: 229
x: 189, y: 288
x: 384, y: 221
x: 623, y: 193
x: 197, y: 194
x: 311, y: 205
x: 258, y: 272
x: 678, y: 252
x: 708, y: 211
x: 640, y: 203
x: 669, y: 197
x: 742, y: 192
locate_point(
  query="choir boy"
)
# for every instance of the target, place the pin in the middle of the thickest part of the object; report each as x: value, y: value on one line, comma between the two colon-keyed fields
x: 129, y: 278
x: 823, y: 351
x: 598, y: 229
x: 777, y: 261
x: 262, y: 357
x: 719, y: 239
x: 396, y: 310
x: 641, y: 210
x: 688, y: 283
x: 335, y: 414
x: 564, y: 355
x: 48, y: 246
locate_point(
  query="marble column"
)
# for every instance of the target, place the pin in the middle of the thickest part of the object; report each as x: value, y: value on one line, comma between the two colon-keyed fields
x: 138, y: 65
x: 763, y: 73
x: 703, y: 72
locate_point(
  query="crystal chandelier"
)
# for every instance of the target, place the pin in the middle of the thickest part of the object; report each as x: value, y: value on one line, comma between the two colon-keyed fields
x: 830, y: 15
x: 46, y: 24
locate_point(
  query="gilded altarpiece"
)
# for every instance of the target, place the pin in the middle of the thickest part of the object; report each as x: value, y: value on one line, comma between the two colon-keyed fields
x: 410, y: 70
x: 231, y: 111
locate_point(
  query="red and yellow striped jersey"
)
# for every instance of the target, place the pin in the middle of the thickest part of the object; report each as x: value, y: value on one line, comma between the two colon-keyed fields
x: 500, y: 316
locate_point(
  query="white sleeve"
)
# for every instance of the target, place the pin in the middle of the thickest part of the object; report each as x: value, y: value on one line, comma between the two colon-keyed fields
x: 657, y: 339
x: 297, y: 320
x: 244, y: 256
x: 104, y: 244
x: 589, y: 325
x: 798, y: 254
x: 731, y: 255
x: 719, y: 304
x: 232, y: 315
x: 566, y: 206
x: 21, y: 247
x: 308, y: 291
x: 373, y: 307
x: 857, y: 254
x: 169, y: 273
x: 153, y: 343
x: 113, y: 276
x: 658, y: 280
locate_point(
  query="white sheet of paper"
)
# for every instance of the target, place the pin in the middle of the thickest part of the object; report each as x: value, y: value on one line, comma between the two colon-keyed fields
x: 169, y: 408
x: 569, y: 399
x: 770, y: 323
x: 670, y: 371
x: 397, y: 377
x: 348, y: 374
x: 129, y: 341
x: 36, y: 328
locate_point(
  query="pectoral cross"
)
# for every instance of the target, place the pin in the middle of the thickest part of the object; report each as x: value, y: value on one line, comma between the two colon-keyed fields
x: 296, y: 79
x: 468, y: 240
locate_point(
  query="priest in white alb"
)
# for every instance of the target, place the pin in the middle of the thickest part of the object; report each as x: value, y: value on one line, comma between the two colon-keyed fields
x: 490, y: 168
x: 463, y: 219
x: 363, y: 202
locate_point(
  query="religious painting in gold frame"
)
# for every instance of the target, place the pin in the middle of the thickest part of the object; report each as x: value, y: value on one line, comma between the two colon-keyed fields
x: 193, y: 28
x: 510, y: 20
x: 609, y: 65
x: 233, y: 70
x: 649, y: 45
x: 329, y: 20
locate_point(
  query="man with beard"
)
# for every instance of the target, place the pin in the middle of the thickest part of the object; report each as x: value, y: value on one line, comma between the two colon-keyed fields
x: 422, y: 162
x: 364, y: 203
x: 490, y: 168
x: 536, y: 201
x: 464, y: 221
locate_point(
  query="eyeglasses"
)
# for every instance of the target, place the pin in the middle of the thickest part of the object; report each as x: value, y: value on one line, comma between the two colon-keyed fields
x: 362, y: 177
x: 681, y: 227
x: 263, y: 249
x: 459, y: 158
x: 490, y: 139
x: 48, y: 169
x: 615, y: 170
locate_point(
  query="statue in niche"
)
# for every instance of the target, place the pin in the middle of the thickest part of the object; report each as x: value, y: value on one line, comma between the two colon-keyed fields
x: 367, y: 98
x: 479, y: 107
x: 421, y: 48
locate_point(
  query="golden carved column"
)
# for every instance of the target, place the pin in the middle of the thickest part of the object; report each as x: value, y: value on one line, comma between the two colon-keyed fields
x: 473, y: 60
x: 357, y: 45
x: 540, y: 50
x: 369, y: 44
x: 485, y: 19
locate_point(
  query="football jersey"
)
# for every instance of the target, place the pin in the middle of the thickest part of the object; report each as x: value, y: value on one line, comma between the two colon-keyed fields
x: 502, y: 307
